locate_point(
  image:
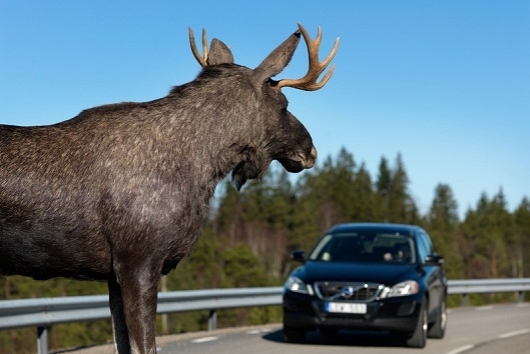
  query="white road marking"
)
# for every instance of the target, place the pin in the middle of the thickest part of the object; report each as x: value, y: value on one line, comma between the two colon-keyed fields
x: 504, y: 335
x: 461, y: 349
x: 258, y: 331
x: 515, y: 333
x: 204, y: 339
x: 484, y: 308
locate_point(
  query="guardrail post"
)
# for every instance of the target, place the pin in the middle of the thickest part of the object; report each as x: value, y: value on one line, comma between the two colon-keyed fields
x: 465, y: 299
x: 212, y: 320
x: 42, y: 340
x: 521, y: 297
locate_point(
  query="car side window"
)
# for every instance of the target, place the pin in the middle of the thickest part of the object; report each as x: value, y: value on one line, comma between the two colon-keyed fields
x: 424, y: 246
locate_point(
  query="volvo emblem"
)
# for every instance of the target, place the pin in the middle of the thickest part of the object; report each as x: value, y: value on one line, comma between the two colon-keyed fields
x: 347, y: 292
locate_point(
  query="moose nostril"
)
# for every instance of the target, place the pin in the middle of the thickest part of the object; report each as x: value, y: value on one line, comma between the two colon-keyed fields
x: 310, y: 160
x: 314, y: 153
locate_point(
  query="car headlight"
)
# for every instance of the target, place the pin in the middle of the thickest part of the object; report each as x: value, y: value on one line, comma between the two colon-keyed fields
x: 298, y: 286
x: 409, y: 287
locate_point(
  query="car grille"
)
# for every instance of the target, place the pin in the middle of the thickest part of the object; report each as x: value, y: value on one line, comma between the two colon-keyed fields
x: 332, y: 291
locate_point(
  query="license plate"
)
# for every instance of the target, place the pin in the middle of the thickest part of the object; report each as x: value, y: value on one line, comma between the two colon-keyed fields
x: 345, y: 307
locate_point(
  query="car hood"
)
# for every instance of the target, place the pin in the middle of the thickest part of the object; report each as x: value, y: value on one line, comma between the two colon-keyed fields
x: 363, y: 272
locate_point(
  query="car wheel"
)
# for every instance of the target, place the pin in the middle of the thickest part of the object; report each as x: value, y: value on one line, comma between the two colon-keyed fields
x: 293, y: 335
x: 437, y: 329
x: 418, y: 339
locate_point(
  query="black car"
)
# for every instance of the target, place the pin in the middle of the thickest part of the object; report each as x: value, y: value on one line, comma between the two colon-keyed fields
x: 368, y: 276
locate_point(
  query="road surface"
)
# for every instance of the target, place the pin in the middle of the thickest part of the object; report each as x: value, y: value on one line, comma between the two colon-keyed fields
x: 494, y: 329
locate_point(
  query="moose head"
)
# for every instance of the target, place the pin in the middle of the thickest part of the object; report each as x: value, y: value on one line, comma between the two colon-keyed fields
x: 287, y: 139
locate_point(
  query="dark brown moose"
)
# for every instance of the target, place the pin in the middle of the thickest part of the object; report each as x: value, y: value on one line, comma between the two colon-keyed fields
x: 119, y: 192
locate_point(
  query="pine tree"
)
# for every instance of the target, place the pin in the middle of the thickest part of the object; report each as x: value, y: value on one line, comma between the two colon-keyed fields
x: 383, y: 188
x: 520, y: 244
x: 393, y: 197
x: 364, y: 207
x: 442, y: 223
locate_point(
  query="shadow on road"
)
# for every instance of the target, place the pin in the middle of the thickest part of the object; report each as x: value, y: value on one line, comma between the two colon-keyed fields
x: 343, y: 338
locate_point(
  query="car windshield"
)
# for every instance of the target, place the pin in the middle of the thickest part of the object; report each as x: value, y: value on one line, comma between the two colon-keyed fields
x: 364, y: 247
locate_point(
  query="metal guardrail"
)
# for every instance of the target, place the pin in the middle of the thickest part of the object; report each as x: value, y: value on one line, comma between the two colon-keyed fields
x: 480, y: 286
x: 45, y: 312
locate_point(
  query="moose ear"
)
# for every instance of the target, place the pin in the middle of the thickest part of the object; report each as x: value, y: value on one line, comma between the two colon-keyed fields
x: 278, y: 59
x: 219, y: 53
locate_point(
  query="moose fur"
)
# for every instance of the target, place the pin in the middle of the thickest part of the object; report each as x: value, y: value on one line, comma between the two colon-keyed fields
x: 119, y: 192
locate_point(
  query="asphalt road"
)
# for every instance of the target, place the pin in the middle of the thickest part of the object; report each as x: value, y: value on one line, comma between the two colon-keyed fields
x: 475, y: 330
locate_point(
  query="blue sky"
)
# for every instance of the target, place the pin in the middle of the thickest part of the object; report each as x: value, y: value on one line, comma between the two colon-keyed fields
x: 444, y: 83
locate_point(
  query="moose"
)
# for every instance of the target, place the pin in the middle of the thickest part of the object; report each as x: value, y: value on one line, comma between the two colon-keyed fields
x: 119, y: 192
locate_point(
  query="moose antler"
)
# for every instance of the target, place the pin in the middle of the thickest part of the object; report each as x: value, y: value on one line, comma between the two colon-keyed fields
x: 309, y: 81
x: 203, y: 60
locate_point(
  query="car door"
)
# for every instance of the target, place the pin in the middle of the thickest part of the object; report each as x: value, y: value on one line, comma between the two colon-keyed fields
x: 434, y: 273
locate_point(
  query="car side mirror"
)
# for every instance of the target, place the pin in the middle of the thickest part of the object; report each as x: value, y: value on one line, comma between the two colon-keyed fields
x: 434, y: 259
x: 298, y: 256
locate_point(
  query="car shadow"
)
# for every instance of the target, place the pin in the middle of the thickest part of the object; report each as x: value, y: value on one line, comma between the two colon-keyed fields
x: 343, y: 338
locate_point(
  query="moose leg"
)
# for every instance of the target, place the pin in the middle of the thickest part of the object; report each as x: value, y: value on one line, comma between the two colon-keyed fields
x: 119, y: 327
x: 138, y: 287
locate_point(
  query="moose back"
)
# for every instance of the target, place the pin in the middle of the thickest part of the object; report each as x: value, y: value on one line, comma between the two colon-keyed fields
x: 118, y: 193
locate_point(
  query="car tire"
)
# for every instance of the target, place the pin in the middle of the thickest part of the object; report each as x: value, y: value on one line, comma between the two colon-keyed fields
x: 293, y: 335
x: 418, y: 338
x: 437, y: 330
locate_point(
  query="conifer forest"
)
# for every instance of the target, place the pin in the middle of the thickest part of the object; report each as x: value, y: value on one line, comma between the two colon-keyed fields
x: 248, y: 236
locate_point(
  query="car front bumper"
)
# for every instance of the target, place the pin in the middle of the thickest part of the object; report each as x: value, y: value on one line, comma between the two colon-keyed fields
x: 394, y: 314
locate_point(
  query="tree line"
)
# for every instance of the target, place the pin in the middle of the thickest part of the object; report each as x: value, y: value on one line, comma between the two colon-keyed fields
x: 248, y: 237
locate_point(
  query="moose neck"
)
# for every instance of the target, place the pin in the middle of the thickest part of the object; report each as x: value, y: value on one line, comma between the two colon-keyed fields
x: 227, y: 128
